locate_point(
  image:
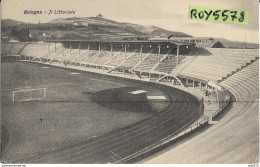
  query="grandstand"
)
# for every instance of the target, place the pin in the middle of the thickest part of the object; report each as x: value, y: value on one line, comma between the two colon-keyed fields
x: 47, y: 55
x: 88, y: 56
x: 131, y: 60
x: 77, y: 56
x: 39, y: 49
x: 67, y: 54
x: 103, y: 58
x: 168, y: 64
x: 117, y: 59
x: 147, y: 63
x: 13, y: 48
x: 92, y: 57
x: 217, y: 67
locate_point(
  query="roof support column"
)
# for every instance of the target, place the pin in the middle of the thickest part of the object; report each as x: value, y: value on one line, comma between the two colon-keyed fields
x: 62, y: 48
x: 55, y: 48
x: 49, y: 47
x: 178, y: 50
x: 79, y: 48
x: 141, y: 53
x: 125, y: 51
x: 159, y: 53
x: 111, y: 45
x: 70, y: 48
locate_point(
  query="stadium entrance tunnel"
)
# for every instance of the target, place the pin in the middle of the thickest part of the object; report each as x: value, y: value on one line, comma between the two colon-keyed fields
x: 122, y: 99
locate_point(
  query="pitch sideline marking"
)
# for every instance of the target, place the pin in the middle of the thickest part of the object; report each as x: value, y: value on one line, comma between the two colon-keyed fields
x: 138, y: 92
x: 75, y: 73
x: 156, y: 97
x: 10, y: 140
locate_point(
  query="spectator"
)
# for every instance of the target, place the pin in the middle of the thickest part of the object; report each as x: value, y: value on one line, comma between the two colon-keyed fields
x: 202, y: 99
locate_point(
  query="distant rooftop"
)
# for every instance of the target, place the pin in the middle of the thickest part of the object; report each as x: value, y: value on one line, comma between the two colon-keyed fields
x: 100, y: 15
x: 191, y: 38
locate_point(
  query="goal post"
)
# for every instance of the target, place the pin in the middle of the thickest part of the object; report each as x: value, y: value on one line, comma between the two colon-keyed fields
x: 29, y: 94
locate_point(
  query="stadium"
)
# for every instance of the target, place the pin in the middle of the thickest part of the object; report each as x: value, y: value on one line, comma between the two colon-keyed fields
x: 85, y: 101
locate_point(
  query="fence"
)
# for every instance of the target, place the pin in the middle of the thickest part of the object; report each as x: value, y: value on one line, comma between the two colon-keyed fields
x: 225, y: 108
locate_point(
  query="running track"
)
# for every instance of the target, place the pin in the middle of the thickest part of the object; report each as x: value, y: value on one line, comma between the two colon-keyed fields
x: 113, y: 146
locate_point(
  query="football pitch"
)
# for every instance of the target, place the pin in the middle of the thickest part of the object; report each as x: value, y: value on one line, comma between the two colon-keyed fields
x: 67, y: 115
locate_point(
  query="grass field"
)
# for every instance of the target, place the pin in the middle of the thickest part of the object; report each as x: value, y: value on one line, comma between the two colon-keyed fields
x: 66, y: 116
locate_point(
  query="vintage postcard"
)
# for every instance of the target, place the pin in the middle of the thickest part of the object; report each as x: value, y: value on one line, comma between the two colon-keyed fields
x: 130, y: 82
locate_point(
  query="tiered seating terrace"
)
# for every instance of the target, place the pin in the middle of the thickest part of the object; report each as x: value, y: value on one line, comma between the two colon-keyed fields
x: 245, y: 83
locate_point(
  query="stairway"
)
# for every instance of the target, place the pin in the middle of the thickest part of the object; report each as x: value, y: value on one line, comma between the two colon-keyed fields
x: 239, y: 69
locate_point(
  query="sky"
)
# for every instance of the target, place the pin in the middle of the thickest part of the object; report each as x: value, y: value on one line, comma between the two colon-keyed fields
x: 168, y: 14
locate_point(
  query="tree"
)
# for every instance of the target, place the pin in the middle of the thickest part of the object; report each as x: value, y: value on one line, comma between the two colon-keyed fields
x: 22, y: 35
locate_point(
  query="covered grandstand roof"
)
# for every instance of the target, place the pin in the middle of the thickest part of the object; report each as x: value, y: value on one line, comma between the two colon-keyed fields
x: 127, y: 42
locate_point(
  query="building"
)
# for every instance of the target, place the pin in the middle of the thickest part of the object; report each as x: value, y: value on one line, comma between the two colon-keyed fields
x: 100, y: 15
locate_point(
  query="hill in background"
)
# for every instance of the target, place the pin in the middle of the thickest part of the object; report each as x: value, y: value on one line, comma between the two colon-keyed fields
x: 95, y: 28
x: 102, y: 28
x: 99, y: 28
x: 5, y: 23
